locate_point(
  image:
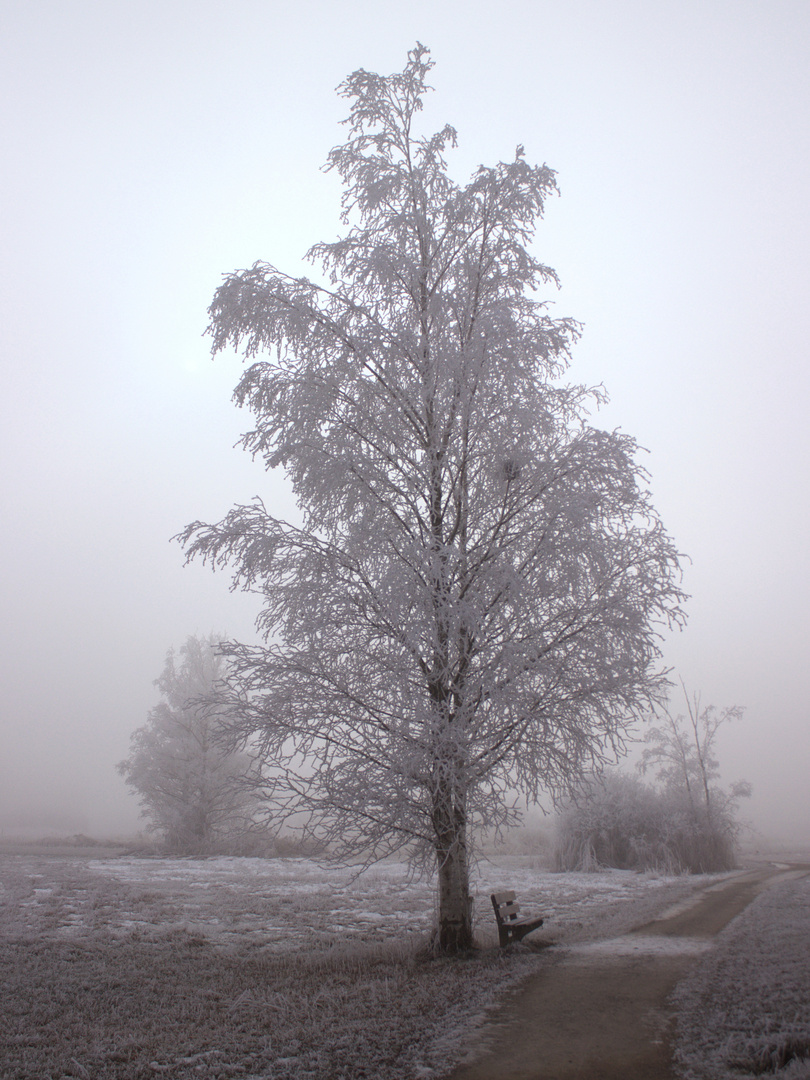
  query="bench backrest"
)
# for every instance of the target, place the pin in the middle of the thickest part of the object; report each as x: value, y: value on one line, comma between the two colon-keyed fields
x: 505, y: 905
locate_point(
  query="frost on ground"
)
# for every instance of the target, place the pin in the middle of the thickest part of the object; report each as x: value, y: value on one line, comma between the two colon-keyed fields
x: 744, y: 1011
x: 129, y: 968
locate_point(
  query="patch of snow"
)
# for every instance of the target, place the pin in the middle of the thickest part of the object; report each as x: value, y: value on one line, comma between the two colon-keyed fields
x: 276, y: 902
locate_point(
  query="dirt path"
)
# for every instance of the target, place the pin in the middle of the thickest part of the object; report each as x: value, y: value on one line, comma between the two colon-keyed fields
x: 599, y: 1011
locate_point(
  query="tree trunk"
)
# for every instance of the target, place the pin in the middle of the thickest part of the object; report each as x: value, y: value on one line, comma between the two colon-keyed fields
x: 455, y: 903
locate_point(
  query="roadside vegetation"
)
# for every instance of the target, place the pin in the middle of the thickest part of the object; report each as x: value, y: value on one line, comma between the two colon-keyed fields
x: 683, y: 821
x: 744, y: 1011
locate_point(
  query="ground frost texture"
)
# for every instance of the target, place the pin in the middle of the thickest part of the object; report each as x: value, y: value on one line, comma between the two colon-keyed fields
x: 745, y: 1010
x: 216, y: 969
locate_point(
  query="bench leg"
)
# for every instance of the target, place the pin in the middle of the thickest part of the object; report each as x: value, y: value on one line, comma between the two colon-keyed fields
x: 507, y: 934
x: 521, y: 931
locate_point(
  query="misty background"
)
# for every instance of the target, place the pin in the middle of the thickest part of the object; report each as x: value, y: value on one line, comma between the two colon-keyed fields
x: 150, y: 148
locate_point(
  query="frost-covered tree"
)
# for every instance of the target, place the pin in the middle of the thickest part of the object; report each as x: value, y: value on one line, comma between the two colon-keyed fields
x: 468, y: 607
x: 682, y: 753
x: 191, y: 788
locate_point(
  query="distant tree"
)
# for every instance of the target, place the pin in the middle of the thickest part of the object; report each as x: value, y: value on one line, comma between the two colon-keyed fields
x: 191, y: 788
x: 470, y: 603
x: 682, y: 751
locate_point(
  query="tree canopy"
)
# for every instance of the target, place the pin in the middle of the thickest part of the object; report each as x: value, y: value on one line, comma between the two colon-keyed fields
x: 471, y: 605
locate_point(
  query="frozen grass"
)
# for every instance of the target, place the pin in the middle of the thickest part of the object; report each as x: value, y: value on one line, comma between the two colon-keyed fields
x: 127, y: 968
x: 744, y: 1011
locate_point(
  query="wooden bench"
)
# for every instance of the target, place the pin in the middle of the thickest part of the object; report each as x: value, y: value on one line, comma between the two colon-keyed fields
x: 512, y: 926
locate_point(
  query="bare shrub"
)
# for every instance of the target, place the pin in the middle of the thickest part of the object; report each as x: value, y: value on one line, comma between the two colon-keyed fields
x: 614, y: 820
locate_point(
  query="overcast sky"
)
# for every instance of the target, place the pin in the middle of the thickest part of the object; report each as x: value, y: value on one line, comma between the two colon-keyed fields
x: 149, y: 148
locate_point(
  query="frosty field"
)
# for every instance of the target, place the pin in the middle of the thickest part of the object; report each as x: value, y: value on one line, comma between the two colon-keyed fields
x: 745, y: 1008
x: 134, y: 967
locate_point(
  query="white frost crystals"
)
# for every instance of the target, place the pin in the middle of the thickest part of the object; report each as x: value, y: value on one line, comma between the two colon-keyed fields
x: 472, y: 603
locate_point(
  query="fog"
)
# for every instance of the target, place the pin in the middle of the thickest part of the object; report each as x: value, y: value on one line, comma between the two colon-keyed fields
x: 150, y: 148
